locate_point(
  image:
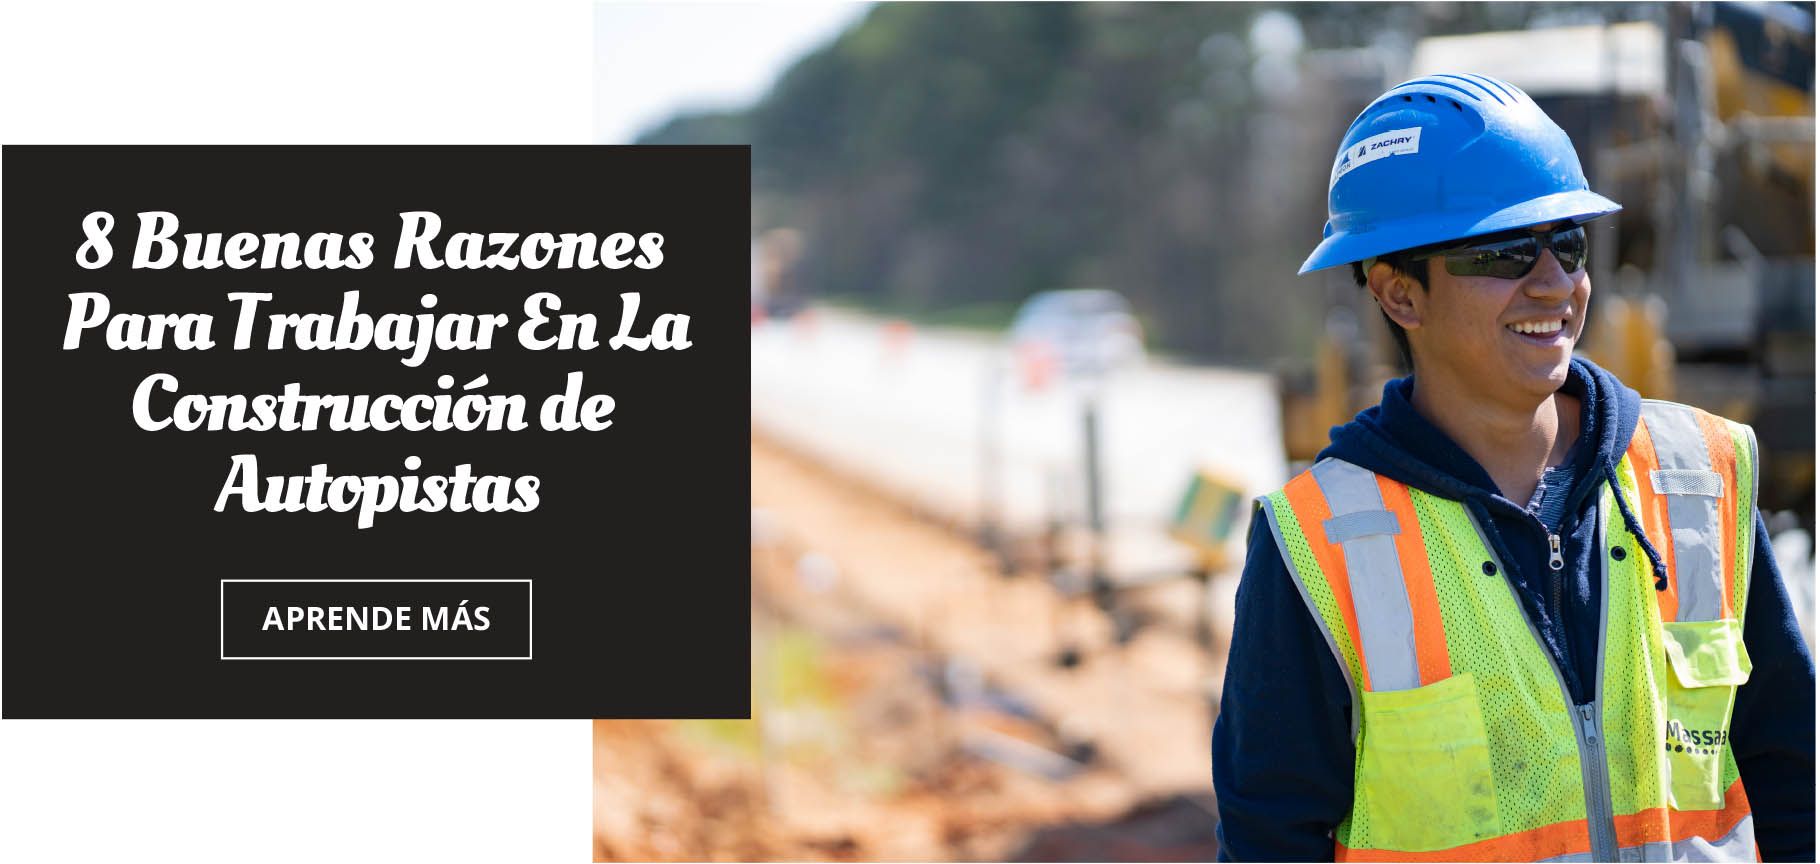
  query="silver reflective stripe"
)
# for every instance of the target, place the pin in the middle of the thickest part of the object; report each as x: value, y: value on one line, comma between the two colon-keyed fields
x: 1379, y: 598
x: 1295, y: 576
x: 1668, y: 481
x: 1738, y: 844
x: 1577, y: 856
x: 1361, y: 524
x: 1693, y: 520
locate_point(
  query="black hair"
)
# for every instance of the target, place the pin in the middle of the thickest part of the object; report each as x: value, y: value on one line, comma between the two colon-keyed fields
x: 1417, y: 270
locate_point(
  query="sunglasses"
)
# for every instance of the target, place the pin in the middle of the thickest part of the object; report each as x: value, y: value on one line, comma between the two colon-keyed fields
x: 1513, y: 255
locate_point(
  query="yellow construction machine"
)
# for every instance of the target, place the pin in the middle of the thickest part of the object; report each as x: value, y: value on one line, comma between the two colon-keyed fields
x: 1701, y: 123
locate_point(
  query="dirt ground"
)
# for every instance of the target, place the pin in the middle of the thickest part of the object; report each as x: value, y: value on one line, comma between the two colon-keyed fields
x: 908, y: 704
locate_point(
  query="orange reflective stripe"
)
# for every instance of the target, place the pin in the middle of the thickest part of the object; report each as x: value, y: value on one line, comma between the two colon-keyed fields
x: 1310, y: 508
x: 1654, y: 516
x: 1658, y: 825
x: 1548, y: 841
x: 1418, y: 583
x: 1648, y: 826
x: 1664, y: 824
x: 1725, y: 461
x: 1711, y: 824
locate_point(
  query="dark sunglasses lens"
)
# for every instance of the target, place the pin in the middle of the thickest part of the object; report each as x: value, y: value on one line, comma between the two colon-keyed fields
x: 1507, y: 259
x: 1570, y: 248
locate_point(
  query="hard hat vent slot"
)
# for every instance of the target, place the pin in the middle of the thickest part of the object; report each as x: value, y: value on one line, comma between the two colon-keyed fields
x: 1430, y: 98
x: 1456, y: 105
x: 1408, y: 99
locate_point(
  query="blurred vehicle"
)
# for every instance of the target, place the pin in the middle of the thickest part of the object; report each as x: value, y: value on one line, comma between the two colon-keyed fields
x: 776, y: 255
x: 1083, y: 333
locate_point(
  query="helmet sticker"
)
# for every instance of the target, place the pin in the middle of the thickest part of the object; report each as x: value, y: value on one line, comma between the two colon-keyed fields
x: 1396, y: 142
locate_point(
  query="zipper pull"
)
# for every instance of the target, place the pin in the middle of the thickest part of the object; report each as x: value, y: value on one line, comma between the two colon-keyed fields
x: 1555, y: 561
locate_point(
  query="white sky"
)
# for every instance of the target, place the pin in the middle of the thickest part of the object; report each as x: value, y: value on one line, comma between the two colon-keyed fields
x: 652, y: 60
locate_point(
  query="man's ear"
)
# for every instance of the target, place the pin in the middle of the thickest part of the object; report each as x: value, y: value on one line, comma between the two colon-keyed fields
x: 1397, y: 293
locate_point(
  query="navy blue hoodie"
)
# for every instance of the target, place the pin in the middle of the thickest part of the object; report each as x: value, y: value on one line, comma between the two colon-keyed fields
x: 1282, y: 745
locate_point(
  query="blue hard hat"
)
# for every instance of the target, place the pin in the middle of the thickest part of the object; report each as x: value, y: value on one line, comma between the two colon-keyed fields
x: 1446, y: 157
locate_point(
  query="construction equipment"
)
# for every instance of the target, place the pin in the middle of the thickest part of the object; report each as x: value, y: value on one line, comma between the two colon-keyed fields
x: 1212, y: 508
x: 1701, y: 123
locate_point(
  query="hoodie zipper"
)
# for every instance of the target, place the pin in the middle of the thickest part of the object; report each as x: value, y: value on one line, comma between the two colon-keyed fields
x: 1555, y: 579
x: 1557, y: 610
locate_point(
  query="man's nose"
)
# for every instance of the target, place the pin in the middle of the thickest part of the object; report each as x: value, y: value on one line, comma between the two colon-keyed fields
x: 1548, y: 281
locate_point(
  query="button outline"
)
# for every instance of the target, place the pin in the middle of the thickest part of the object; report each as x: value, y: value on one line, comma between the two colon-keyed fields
x: 221, y: 618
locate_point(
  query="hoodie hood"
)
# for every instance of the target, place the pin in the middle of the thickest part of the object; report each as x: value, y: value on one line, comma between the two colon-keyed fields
x: 1393, y: 439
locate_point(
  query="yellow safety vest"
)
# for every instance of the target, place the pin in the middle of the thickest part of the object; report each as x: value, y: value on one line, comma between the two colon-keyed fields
x: 1467, y: 746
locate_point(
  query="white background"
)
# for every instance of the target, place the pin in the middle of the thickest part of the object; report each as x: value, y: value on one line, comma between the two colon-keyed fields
x: 320, y: 71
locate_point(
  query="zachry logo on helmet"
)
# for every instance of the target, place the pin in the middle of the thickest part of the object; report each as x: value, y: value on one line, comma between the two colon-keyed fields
x: 1396, y: 142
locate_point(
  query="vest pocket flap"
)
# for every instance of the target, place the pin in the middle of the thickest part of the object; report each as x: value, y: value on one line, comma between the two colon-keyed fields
x: 1709, y: 663
x: 1706, y: 653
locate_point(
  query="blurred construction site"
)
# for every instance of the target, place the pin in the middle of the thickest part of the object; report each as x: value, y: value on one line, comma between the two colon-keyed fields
x: 1027, y: 340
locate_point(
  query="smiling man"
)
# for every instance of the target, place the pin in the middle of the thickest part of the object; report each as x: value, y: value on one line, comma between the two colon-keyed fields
x: 1513, y: 612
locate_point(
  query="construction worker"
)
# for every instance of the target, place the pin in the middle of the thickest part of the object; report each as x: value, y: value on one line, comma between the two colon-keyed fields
x: 1513, y: 612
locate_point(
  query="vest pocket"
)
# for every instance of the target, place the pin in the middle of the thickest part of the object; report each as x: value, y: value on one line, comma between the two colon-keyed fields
x: 1425, y: 767
x: 1706, y: 662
